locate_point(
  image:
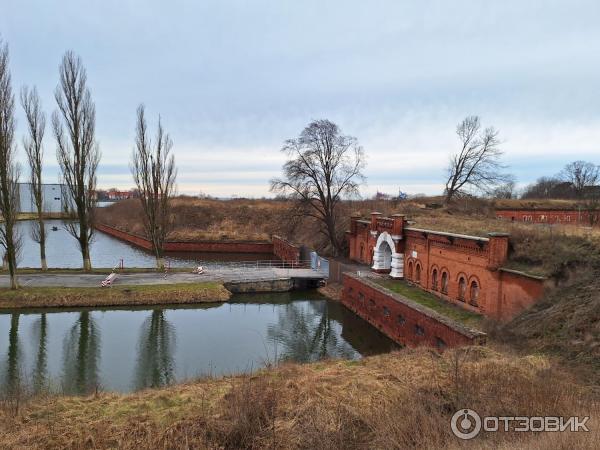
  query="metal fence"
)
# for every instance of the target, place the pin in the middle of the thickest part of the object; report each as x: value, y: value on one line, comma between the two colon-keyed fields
x: 253, y: 265
x: 319, y: 263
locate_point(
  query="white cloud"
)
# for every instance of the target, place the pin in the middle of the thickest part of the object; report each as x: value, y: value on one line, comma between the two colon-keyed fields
x: 233, y: 79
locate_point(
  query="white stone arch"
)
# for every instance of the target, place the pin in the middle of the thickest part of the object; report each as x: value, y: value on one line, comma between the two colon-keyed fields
x: 386, y: 258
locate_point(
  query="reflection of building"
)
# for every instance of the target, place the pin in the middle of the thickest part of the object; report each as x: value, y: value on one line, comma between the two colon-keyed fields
x: 51, y: 193
x: 465, y: 270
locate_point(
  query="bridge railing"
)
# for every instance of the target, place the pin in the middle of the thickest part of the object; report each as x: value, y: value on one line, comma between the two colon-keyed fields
x: 253, y: 265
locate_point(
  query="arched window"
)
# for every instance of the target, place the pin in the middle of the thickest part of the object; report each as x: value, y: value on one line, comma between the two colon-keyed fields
x: 474, y: 293
x: 445, y: 282
x: 410, y: 270
x: 434, y: 280
x: 418, y: 273
x: 462, y: 289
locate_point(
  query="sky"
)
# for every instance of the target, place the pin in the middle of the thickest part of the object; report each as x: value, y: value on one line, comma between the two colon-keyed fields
x: 231, y: 80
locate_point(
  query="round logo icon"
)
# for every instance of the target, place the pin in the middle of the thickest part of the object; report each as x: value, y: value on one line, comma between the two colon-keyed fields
x: 466, y: 424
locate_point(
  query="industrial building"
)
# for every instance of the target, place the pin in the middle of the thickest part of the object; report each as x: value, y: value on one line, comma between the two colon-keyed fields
x: 51, y: 193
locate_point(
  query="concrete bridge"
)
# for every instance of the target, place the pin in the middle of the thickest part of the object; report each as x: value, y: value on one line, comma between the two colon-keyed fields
x: 222, y: 272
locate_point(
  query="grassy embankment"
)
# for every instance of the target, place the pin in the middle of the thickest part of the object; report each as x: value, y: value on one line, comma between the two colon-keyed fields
x: 400, y: 400
x: 206, y: 219
x: 56, y: 297
x: 424, y: 298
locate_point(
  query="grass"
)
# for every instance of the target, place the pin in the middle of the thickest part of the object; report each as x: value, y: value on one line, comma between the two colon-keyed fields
x: 51, y: 297
x: 399, y: 400
x: 424, y: 298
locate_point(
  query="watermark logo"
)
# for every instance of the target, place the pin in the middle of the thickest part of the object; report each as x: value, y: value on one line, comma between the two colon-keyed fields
x: 467, y: 424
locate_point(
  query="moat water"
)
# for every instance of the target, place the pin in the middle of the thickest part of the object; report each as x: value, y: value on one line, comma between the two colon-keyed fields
x: 126, y: 349
x: 62, y: 250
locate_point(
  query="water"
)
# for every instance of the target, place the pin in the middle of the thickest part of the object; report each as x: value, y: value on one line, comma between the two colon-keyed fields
x: 127, y: 350
x: 62, y: 250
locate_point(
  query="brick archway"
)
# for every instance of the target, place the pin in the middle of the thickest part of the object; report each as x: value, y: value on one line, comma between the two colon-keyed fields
x: 385, y: 257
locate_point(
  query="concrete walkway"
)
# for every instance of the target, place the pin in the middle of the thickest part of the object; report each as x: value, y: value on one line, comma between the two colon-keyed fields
x: 221, y: 275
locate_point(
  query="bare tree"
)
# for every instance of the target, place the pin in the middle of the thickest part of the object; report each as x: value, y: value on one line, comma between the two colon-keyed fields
x: 582, y: 175
x: 548, y: 187
x: 9, y: 169
x: 154, y: 173
x: 477, y: 165
x: 323, y: 167
x: 36, y: 123
x: 506, y: 190
x: 77, y: 151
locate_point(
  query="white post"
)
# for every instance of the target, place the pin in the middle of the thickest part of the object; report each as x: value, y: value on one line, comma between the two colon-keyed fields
x: 378, y: 260
x: 397, y: 265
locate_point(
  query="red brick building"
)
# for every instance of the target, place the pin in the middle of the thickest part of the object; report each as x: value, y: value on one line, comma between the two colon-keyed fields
x: 465, y: 270
x: 550, y: 216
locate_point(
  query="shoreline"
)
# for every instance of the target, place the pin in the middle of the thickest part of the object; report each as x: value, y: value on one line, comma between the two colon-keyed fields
x: 121, y: 295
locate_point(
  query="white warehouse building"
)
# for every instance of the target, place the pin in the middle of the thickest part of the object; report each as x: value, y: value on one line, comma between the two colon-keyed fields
x: 51, y: 193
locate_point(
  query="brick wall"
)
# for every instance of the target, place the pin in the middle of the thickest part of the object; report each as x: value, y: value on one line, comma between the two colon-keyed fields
x: 195, y: 246
x: 518, y: 292
x: 124, y: 236
x: 459, y: 270
x: 551, y: 216
x: 403, y: 320
x: 463, y: 270
x: 285, y: 250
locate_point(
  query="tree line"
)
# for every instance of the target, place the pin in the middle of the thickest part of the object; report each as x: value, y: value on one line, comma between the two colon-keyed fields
x: 78, y: 154
x: 325, y: 166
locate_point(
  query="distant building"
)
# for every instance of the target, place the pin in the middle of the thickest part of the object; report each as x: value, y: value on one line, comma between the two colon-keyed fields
x: 114, y: 194
x: 51, y: 193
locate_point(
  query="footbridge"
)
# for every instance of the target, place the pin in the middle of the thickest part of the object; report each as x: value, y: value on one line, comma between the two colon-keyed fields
x: 231, y: 273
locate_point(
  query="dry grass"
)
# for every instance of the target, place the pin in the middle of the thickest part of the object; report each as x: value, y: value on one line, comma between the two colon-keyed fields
x: 72, y: 297
x: 401, y: 400
x: 566, y: 323
x: 206, y: 219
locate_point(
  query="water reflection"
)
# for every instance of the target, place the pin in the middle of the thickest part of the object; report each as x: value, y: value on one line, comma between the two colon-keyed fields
x: 12, y: 373
x: 81, y: 356
x: 106, y: 251
x: 121, y: 349
x: 306, y: 334
x: 155, y: 362
x: 40, y: 369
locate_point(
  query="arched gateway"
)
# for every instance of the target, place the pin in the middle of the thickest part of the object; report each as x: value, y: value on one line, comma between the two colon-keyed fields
x: 386, y: 258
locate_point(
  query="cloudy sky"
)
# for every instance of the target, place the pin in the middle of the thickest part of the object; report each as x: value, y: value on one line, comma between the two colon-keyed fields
x: 233, y: 79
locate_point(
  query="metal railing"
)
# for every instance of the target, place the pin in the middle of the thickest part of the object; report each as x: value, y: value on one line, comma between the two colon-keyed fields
x: 261, y: 264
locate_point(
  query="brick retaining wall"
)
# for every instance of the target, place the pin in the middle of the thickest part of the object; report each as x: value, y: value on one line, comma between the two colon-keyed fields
x: 193, y: 246
x: 285, y: 250
x: 550, y: 216
x: 404, y: 321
